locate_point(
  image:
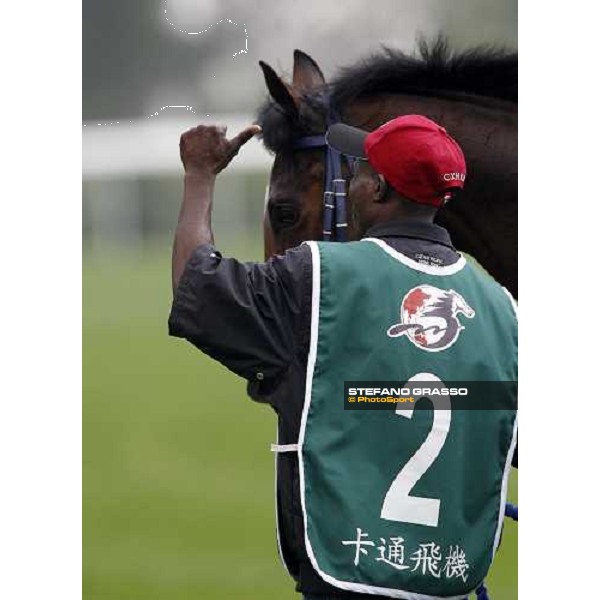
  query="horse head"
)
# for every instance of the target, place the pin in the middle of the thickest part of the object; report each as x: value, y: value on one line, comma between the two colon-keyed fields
x: 472, y: 94
x: 293, y: 213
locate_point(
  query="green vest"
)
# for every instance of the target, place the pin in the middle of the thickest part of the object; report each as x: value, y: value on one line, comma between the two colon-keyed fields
x: 406, y: 503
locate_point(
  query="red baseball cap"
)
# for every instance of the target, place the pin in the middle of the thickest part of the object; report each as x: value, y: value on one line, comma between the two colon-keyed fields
x: 414, y: 154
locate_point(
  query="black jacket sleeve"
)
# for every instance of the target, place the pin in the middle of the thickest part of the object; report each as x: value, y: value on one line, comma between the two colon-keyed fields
x: 248, y: 316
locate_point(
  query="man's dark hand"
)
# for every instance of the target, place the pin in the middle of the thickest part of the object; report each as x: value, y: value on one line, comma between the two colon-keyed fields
x: 206, y: 151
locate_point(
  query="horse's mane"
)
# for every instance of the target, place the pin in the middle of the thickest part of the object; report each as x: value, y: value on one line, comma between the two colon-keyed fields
x: 435, y: 70
x: 279, y: 129
x: 482, y: 71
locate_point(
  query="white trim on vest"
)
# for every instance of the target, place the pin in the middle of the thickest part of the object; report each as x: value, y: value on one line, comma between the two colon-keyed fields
x: 504, y: 491
x: 312, y: 358
x: 512, y: 301
x: 417, y: 266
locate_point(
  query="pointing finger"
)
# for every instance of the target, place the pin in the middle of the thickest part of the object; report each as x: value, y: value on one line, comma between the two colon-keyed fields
x: 241, y: 138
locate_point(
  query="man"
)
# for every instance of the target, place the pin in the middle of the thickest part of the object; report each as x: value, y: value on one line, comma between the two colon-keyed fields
x: 368, y: 503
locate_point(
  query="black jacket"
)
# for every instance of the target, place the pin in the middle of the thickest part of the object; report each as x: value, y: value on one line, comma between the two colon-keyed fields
x: 254, y: 318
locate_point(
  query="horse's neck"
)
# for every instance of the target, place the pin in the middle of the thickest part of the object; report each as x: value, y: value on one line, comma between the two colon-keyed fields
x: 483, y: 221
x: 371, y: 112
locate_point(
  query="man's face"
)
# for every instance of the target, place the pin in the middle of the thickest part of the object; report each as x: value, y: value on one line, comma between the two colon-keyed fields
x: 361, y: 198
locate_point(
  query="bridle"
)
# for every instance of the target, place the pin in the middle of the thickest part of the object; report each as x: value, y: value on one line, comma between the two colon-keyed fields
x: 334, y: 196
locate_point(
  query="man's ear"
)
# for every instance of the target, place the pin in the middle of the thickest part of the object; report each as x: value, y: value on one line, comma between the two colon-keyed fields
x: 381, y: 189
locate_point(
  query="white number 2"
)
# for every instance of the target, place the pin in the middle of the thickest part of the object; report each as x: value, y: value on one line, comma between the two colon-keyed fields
x: 398, y: 505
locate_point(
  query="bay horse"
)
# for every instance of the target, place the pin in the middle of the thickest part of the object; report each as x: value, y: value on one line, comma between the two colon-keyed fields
x: 472, y: 93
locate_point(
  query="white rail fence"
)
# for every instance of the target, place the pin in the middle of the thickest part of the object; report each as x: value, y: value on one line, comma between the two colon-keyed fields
x: 151, y: 146
x: 132, y: 180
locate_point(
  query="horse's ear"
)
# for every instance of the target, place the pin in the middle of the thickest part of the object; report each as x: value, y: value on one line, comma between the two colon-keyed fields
x: 279, y: 90
x: 307, y: 74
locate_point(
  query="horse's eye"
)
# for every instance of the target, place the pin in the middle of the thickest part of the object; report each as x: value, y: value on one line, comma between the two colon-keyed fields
x: 283, y: 214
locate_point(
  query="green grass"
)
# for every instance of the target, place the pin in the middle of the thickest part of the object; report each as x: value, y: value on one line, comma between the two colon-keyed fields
x: 178, y: 477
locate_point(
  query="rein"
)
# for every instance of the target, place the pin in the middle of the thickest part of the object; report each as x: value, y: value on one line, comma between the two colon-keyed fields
x: 335, y: 224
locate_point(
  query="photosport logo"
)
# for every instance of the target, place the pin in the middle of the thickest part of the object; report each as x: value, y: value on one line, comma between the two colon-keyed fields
x: 395, y: 394
x: 429, y: 317
x: 430, y: 394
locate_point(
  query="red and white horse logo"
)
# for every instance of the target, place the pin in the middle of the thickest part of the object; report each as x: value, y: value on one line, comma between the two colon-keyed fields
x: 429, y: 317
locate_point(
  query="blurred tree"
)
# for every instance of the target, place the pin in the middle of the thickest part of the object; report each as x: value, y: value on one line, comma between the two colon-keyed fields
x: 134, y: 62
